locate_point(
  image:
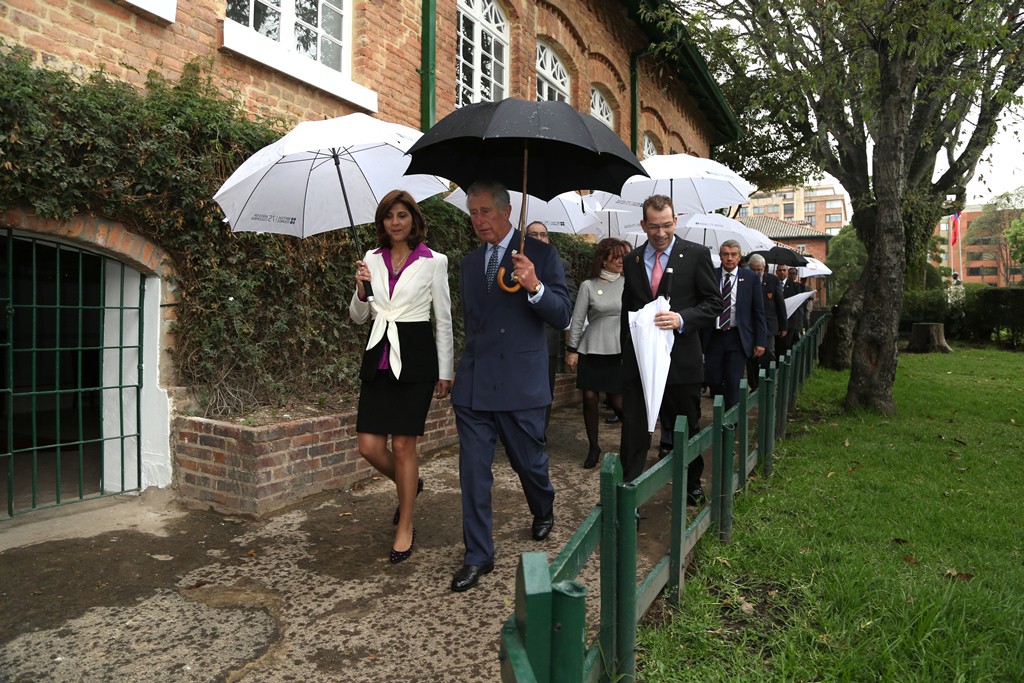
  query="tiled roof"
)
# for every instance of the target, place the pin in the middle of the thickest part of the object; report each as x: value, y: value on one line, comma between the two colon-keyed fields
x: 776, y: 228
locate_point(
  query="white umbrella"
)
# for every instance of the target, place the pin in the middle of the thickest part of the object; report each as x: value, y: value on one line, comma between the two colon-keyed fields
x: 695, y: 184
x: 569, y: 212
x: 712, y: 229
x: 323, y: 175
x: 796, y: 301
x: 653, y: 348
x: 814, y: 268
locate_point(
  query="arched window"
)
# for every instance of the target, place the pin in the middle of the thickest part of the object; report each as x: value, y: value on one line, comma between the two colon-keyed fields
x: 552, y: 78
x: 481, y: 65
x: 600, y: 109
x: 649, y: 148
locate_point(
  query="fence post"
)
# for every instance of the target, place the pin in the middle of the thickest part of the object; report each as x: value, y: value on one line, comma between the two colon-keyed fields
x: 728, y: 469
x: 743, y: 426
x: 676, y: 561
x: 611, y: 477
x: 626, y: 585
x: 767, y: 423
x: 717, y: 414
x: 568, y: 631
x: 782, y: 395
x: 533, y: 611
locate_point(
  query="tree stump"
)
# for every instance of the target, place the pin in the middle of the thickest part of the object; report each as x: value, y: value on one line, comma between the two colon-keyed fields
x: 928, y: 337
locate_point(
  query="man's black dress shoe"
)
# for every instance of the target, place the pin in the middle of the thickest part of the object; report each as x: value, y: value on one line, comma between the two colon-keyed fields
x: 542, y: 527
x: 468, y: 576
x: 696, y: 497
x: 611, y: 420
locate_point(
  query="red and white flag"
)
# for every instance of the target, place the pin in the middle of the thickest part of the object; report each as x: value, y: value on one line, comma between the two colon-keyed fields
x: 954, y: 228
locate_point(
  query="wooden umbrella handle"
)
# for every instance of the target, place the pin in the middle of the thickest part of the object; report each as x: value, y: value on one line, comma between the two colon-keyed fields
x: 511, y: 289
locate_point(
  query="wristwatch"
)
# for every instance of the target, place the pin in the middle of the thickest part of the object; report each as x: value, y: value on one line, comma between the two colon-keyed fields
x: 537, y: 288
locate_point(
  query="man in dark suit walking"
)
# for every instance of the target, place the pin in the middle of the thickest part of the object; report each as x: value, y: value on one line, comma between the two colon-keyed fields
x: 501, y: 385
x: 694, y: 301
x: 774, y: 317
x: 739, y: 332
x: 797, y: 322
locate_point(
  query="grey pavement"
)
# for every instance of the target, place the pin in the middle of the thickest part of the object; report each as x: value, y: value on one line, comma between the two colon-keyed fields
x: 140, y: 589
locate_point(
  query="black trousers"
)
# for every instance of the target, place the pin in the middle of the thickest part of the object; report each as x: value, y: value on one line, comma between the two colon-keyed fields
x: 679, y: 399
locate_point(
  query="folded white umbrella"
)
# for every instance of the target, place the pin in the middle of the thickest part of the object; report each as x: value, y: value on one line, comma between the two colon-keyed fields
x: 695, y: 184
x: 568, y: 212
x: 712, y: 229
x: 653, y: 348
x: 794, y: 302
x: 323, y: 175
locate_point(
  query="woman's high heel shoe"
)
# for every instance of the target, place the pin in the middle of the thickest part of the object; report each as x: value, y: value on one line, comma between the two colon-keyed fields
x: 592, y: 457
x: 419, y: 490
x: 403, y: 555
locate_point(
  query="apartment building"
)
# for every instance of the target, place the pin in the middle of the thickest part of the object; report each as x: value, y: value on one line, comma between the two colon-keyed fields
x: 823, y: 207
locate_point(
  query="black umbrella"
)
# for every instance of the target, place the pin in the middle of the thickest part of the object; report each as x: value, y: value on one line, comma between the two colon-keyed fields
x: 548, y: 145
x: 781, y: 256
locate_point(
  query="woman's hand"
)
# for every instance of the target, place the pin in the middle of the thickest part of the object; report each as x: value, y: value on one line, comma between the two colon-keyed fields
x: 571, y: 359
x: 362, y: 275
x: 442, y: 388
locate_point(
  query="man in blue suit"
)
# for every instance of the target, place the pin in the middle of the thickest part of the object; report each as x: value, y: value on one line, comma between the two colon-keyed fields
x: 740, y: 332
x: 501, y: 385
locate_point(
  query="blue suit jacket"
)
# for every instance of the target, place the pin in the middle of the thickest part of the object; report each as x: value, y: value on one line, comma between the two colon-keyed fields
x: 749, y: 314
x: 504, y: 365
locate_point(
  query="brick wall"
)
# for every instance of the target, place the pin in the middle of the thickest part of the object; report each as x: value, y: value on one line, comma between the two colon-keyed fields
x: 594, y: 39
x: 252, y: 471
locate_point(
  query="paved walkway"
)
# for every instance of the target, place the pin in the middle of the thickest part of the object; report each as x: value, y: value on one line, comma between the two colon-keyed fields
x: 137, y: 589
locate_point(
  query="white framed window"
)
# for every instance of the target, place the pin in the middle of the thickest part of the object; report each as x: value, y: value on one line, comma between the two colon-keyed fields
x: 309, y: 40
x: 772, y: 208
x: 833, y: 218
x: 809, y: 218
x: 648, y: 149
x: 834, y: 204
x: 600, y: 109
x: 809, y: 207
x: 758, y: 209
x: 481, y: 62
x: 552, y: 78
x: 744, y: 211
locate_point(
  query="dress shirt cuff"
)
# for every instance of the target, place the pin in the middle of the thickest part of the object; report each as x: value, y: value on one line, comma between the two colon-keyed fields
x: 534, y: 298
x: 682, y: 324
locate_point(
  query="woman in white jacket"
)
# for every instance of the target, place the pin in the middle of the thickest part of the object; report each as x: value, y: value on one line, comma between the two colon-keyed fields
x: 406, y: 360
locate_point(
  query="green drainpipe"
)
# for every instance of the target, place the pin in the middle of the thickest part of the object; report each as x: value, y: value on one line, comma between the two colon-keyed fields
x: 634, y: 84
x: 428, y: 59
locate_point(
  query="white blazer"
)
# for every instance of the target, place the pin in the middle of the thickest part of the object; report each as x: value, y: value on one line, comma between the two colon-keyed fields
x: 421, y: 287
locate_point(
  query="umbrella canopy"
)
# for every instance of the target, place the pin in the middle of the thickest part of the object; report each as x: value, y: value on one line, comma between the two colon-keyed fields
x: 569, y: 212
x: 323, y: 175
x: 814, y: 268
x: 796, y: 301
x: 548, y: 147
x: 653, y: 348
x: 712, y: 229
x: 695, y: 184
x: 780, y: 255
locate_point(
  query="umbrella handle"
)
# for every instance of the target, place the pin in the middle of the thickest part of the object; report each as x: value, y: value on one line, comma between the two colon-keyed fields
x: 511, y: 289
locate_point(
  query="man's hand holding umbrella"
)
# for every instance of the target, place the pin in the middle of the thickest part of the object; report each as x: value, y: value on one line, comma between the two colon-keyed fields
x: 523, y: 272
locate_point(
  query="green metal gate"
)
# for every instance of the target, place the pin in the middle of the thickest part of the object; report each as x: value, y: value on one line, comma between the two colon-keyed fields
x: 70, y: 374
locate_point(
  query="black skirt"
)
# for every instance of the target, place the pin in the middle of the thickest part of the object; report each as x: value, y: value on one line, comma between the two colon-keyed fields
x: 599, y: 373
x: 387, y: 406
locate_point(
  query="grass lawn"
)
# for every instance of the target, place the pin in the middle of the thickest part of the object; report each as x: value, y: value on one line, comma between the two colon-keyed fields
x: 881, y: 549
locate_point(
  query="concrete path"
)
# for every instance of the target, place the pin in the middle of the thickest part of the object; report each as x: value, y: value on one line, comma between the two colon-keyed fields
x: 136, y: 589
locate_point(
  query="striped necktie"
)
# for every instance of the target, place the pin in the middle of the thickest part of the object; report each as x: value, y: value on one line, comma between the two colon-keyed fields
x: 725, y: 320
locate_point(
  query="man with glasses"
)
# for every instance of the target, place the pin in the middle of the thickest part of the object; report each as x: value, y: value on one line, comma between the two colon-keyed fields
x: 695, y: 301
x: 555, y: 337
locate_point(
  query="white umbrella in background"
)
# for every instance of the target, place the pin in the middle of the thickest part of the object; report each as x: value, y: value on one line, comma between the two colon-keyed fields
x: 653, y: 348
x: 712, y: 229
x: 569, y: 212
x: 814, y: 268
x: 796, y: 301
x: 323, y: 175
x: 695, y: 184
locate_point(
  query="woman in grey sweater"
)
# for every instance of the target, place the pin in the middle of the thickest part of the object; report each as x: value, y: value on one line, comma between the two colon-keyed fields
x: 593, y: 345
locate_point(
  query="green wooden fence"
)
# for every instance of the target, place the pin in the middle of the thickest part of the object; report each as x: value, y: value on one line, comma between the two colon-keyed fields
x: 546, y: 638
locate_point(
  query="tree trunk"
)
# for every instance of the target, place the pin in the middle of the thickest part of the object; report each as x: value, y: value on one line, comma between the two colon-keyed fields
x: 873, y: 363
x: 928, y: 337
x: 837, y: 345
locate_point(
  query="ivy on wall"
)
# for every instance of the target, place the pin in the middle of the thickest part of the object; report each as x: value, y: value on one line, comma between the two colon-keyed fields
x: 262, y: 319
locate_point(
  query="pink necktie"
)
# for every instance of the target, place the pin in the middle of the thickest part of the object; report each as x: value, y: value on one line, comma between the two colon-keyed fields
x: 656, y: 273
